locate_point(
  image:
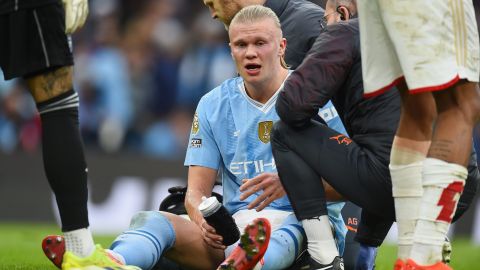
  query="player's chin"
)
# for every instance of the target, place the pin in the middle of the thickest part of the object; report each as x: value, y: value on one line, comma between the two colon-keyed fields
x: 252, y: 80
x: 251, y: 77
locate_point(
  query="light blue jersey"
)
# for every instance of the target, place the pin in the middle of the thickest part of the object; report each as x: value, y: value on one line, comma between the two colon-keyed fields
x: 231, y: 133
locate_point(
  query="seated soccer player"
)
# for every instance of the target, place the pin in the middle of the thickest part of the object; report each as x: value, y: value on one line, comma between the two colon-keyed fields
x: 231, y: 135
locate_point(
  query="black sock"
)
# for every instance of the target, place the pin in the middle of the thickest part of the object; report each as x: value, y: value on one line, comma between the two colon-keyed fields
x: 64, y: 160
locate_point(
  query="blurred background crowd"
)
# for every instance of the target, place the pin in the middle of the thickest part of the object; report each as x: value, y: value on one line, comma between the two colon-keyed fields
x: 140, y: 69
x: 141, y: 66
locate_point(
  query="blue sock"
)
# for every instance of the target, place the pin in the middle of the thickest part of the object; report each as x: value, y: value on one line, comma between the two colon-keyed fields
x: 366, y: 258
x: 149, y: 235
x: 285, y: 245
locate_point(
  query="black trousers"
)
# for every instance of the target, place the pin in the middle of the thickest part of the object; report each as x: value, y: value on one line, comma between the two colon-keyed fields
x: 303, y: 157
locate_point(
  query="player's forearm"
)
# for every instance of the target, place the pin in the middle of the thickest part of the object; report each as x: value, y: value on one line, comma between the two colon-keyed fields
x: 200, y: 184
x: 192, y: 201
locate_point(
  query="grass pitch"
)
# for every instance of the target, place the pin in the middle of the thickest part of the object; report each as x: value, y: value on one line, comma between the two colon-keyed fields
x: 20, y: 249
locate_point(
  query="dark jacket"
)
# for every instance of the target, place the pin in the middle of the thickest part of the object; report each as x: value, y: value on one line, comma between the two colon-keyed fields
x: 333, y: 70
x: 301, y: 24
x: 7, y: 6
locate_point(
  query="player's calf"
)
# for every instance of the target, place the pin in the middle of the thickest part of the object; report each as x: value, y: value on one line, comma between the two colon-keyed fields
x: 443, y: 183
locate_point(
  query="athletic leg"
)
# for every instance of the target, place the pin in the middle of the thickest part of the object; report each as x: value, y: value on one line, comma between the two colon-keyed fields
x: 155, y: 234
x: 63, y: 156
x: 306, y: 156
x: 300, y: 168
x: 409, y: 150
x: 444, y: 172
x: 285, y: 245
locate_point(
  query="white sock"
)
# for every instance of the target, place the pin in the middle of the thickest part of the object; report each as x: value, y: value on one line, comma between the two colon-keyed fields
x: 406, y: 164
x: 407, y: 193
x: 406, y: 224
x: 79, y: 242
x: 442, y: 184
x: 321, y: 243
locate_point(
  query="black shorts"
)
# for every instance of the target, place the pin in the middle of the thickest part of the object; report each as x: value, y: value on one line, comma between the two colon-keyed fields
x: 33, y: 41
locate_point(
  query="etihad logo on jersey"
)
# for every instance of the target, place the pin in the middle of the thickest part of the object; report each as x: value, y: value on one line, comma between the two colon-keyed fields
x: 264, y: 129
x: 257, y: 166
x: 195, y: 124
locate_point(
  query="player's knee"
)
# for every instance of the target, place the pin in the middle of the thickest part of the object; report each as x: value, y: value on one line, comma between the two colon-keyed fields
x: 463, y: 102
x: 472, y: 110
x: 149, y: 218
x: 419, y: 111
x: 50, y: 84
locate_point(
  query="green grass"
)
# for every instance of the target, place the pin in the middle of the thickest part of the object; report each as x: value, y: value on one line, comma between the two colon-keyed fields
x: 20, y: 246
x: 20, y: 249
x: 465, y: 256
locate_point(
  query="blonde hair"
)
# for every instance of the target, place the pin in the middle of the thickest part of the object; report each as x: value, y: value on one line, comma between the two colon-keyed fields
x: 255, y: 13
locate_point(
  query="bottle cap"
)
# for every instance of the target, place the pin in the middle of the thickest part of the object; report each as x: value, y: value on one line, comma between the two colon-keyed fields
x: 209, y: 206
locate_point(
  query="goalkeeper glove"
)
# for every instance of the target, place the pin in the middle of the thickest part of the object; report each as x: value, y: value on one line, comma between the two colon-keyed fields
x: 76, y: 12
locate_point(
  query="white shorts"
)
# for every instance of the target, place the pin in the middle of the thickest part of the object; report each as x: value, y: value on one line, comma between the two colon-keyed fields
x: 276, y: 217
x: 244, y: 217
x: 429, y: 43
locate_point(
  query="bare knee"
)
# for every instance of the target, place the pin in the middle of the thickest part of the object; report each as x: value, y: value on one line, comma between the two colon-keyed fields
x: 418, y: 114
x: 50, y: 84
x: 462, y: 100
x: 471, y: 110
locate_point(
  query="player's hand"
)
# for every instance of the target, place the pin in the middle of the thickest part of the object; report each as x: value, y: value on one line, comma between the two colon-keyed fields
x: 269, y: 183
x: 76, y: 12
x: 210, y: 237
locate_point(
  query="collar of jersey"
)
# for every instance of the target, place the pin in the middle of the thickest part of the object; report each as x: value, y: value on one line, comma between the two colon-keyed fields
x: 265, y: 108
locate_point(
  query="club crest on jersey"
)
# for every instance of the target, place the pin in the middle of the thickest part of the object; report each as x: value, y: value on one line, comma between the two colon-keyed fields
x: 264, y: 129
x: 195, y: 124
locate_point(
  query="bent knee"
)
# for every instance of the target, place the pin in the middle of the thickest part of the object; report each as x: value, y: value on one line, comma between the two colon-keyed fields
x: 142, y: 218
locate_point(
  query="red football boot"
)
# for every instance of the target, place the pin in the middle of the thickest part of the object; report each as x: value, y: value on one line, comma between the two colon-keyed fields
x: 252, y: 246
x: 399, y: 265
x: 411, y: 265
x: 54, y: 247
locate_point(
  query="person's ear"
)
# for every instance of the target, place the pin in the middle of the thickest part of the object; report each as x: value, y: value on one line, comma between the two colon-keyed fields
x: 283, y: 46
x: 231, y: 51
x: 344, y: 13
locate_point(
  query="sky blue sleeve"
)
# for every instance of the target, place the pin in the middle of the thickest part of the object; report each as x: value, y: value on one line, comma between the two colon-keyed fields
x: 330, y: 115
x: 202, y: 147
